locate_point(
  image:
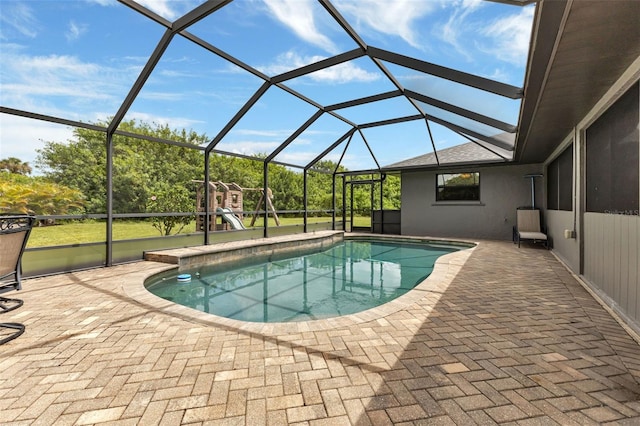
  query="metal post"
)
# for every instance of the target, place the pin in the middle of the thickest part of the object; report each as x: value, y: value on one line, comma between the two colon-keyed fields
x: 109, y: 151
x: 382, y: 178
x: 304, y: 199
x: 265, y: 180
x: 371, y: 192
x: 351, y: 207
x: 344, y: 203
x: 205, y: 186
x: 333, y: 202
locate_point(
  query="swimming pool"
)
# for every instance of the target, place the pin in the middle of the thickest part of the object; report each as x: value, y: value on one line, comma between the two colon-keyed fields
x: 349, y: 277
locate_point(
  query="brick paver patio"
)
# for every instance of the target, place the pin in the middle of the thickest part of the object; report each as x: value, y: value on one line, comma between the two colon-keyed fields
x: 512, y: 339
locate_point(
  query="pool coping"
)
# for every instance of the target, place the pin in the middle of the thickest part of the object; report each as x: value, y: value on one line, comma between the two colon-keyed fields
x: 444, y: 271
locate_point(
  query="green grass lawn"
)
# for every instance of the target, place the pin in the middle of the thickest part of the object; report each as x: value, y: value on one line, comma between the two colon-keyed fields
x: 95, y: 231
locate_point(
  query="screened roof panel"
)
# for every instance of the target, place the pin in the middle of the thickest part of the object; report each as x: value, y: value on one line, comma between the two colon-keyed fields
x: 344, y: 82
x: 356, y: 156
x: 170, y: 95
x: 481, y: 101
x: 453, y: 148
x: 274, y: 36
x: 58, y: 60
x: 313, y: 141
x: 170, y: 10
x: 466, y: 123
x: 267, y: 125
x: 370, y: 62
x: 412, y: 136
x: 485, y: 38
x: 444, y: 137
x: 378, y: 111
x: 460, y: 148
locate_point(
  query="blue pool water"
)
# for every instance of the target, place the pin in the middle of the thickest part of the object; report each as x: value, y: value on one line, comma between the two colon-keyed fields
x: 350, y: 277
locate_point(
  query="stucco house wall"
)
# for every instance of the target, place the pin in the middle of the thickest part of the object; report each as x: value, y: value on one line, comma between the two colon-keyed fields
x: 502, y: 190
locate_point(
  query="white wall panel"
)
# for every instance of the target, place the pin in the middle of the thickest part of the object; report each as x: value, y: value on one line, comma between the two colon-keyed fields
x: 611, y: 259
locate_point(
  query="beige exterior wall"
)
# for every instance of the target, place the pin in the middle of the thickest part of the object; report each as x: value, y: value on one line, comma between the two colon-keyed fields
x: 568, y: 249
x: 502, y: 190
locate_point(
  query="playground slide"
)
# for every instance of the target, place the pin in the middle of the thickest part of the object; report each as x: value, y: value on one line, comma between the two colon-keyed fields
x: 230, y: 218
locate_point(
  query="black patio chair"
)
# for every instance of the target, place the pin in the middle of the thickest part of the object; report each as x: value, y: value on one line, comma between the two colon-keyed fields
x: 14, y: 233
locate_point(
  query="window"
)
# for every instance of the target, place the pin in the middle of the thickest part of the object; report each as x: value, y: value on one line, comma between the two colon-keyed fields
x: 560, y: 181
x: 458, y: 187
x: 613, y: 144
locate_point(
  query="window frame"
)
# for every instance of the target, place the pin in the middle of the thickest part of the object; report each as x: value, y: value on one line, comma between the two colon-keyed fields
x: 560, y: 177
x: 612, y: 152
x: 475, y: 186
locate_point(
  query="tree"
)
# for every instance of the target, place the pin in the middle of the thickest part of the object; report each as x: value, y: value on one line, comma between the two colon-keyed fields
x: 391, y: 193
x: 35, y: 195
x: 169, y: 199
x: 15, y: 165
x: 154, y: 177
x: 137, y: 165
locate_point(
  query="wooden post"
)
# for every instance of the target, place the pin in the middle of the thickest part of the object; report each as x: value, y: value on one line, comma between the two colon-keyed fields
x: 268, y: 205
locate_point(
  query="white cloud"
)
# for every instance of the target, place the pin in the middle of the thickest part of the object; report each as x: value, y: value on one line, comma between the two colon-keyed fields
x: 161, y: 96
x: 388, y: 17
x: 255, y: 141
x: 25, y: 76
x: 20, y: 137
x: 62, y: 85
x: 342, y: 73
x: 457, y: 25
x: 74, y: 31
x: 168, y: 9
x: 299, y: 17
x: 302, y: 158
x: 104, y: 2
x: 498, y: 74
x: 301, y: 141
x: 282, y: 134
x: 18, y: 17
x: 254, y: 148
x: 288, y: 61
x: 249, y: 147
x: 163, y: 8
x: 472, y: 33
x: 172, y: 122
x: 511, y: 36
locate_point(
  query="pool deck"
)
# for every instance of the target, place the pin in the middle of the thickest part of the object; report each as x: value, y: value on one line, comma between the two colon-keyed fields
x: 505, y: 336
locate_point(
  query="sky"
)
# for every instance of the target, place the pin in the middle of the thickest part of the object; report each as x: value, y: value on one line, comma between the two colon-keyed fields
x: 78, y: 60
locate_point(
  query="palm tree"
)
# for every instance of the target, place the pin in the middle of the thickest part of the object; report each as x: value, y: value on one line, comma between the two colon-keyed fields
x: 15, y: 165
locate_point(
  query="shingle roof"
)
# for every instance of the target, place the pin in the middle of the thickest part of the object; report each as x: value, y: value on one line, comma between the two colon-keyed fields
x: 471, y: 152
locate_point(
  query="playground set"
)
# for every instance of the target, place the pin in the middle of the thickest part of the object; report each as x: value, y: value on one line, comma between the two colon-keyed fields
x: 226, y: 200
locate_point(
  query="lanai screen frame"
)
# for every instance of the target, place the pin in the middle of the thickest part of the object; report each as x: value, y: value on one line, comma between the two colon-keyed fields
x: 376, y: 55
